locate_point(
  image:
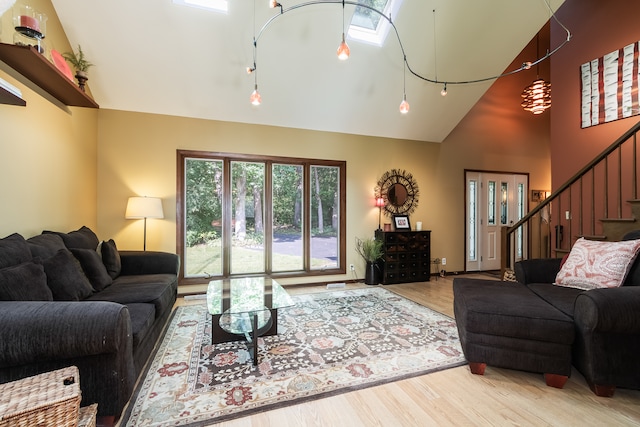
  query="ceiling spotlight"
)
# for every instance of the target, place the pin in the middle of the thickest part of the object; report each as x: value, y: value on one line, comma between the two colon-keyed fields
x: 443, y: 92
x: 404, y: 105
x: 526, y: 65
x: 250, y: 70
x: 273, y: 4
x: 255, y: 97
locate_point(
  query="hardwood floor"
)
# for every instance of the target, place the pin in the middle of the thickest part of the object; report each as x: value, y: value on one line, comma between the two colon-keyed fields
x: 455, y: 397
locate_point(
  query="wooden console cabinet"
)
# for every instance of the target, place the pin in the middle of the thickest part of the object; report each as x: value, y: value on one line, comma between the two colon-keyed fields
x: 407, y: 256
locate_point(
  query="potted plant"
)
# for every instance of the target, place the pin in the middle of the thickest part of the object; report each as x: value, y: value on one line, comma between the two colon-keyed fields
x: 81, y: 65
x: 371, y: 250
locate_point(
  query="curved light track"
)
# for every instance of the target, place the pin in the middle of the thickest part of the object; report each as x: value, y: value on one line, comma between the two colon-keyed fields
x: 523, y: 67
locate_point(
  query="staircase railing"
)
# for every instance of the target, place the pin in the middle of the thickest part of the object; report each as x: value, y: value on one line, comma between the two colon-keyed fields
x: 596, y: 203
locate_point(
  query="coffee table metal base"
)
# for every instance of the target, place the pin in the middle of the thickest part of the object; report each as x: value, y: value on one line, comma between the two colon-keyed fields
x: 219, y: 335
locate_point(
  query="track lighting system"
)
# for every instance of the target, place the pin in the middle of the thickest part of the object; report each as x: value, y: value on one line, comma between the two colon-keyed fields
x: 343, y: 51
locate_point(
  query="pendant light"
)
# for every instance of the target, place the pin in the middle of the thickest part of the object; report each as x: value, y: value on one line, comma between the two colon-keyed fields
x: 404, y: 105
x: 343, y: 50
x: 536, y: 96
x: 255, y: 97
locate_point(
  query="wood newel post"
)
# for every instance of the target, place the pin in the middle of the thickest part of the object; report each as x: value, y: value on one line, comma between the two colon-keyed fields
x: 505, y: 250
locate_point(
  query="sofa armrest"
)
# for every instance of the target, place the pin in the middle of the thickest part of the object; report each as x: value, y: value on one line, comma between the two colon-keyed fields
x: 615, y: 310
x: 148, y: 262
x: 37, y: 331
x: 543, y: 270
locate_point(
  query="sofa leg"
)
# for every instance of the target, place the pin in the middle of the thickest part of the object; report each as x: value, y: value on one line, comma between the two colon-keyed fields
x: 555, y: 380
x: 477, y: 368
x: 602, y: 390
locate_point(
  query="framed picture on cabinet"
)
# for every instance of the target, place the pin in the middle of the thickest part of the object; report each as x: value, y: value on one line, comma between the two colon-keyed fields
x: 401, y: 222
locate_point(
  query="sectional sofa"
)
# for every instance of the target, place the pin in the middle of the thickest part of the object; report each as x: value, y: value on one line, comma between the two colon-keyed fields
x: 582, y: 311
x: 68, y: 299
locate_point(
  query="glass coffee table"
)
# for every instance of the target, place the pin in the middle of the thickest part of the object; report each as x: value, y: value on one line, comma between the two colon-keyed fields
x: 246, y: 307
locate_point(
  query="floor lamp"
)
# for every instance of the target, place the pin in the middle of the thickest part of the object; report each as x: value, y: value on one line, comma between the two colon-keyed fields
x: 143, y: 208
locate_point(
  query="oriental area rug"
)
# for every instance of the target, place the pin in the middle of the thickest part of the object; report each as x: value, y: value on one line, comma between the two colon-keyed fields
x: 328, y: 343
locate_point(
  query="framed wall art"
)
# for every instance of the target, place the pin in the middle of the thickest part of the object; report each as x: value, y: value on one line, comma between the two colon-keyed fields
x: 609, y: 86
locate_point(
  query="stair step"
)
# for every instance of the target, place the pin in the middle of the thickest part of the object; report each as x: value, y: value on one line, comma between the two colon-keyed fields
x: 593, y: 237
x: 618, y: 220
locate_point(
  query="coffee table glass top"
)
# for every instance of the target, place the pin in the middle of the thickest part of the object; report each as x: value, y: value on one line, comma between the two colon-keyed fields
x: 246, y: 295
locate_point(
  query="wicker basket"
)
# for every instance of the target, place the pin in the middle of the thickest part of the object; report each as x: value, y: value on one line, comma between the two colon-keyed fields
x: 87, y: 416
x: 49, y: 399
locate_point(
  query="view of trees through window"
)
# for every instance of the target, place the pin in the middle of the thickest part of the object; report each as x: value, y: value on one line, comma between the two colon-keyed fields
x: 259, y: 216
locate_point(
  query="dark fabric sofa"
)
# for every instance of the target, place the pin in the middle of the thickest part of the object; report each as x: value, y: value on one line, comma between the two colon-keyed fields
x: 605, y: 342
x: 62, y: 303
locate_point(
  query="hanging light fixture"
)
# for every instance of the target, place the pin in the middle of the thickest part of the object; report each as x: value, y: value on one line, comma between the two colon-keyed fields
x: 255, y: 97
x: 343, y: 50
x: 404, y: 105
x: 536, y: 96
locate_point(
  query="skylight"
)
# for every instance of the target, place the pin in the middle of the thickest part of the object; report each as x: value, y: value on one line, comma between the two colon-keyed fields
x: 214, y: 5
x: 368, y: 26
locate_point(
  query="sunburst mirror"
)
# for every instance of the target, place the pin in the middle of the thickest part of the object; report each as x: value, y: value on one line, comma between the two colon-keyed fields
x: 399, y: 190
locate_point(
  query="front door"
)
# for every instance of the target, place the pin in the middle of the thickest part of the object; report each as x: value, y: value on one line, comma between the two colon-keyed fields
x: 493, y: 200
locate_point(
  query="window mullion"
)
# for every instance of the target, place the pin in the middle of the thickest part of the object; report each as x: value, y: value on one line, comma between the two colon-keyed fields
x: 227, y: 215
x: 268, y: 217
x: 306, y: 215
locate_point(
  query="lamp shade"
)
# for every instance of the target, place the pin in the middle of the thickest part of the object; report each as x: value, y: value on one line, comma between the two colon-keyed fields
x: 144, y: 207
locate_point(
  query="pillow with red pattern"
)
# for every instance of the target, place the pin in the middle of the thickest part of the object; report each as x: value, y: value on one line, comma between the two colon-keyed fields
x: 594, y: 264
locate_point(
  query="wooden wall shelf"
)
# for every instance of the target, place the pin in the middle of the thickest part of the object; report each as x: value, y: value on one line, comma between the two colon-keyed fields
x: 27, y: 61
x: 7, y: 97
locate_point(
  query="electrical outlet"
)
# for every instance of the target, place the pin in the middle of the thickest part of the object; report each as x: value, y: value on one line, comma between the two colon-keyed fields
x: 352, y: 267
x: 444, y: 261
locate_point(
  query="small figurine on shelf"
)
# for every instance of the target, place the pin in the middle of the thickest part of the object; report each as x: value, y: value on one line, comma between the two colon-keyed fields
x: 81, y: 65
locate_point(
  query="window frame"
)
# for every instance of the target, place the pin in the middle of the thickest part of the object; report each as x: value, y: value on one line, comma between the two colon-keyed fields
x: 269, y: 161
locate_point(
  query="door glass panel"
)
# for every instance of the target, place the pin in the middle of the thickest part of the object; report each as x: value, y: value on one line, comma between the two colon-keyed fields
x: 519, y: 233
x: 491, y: 203
x: 504, y: 198
x: 325, y: 216
x: 203, y: 224
x: 473, y: 214
x: 288, y: 218
x: 247, y: 240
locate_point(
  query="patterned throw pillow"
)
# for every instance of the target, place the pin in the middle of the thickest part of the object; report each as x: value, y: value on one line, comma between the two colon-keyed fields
x: 594, y: 264
x: 509, y: 276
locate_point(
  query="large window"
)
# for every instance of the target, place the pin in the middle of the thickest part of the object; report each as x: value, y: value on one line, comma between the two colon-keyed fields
x: 250, y: 215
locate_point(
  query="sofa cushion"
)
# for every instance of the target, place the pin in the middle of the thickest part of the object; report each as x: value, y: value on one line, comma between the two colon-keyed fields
x: 595, y: 264
x: 13, y: 250
x: 24, y: 282
x: 111, y: 258
x: 65, y: 277
x: 509, y: 309
x: 93, y: 268
x: 45, y: 245
x: 142, y: 318
x: 83, y: 237
x: 561, y: 297
x: 158, y: 289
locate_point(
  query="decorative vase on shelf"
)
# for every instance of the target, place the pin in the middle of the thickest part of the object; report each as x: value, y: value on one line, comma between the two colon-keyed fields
x: 82, y: 78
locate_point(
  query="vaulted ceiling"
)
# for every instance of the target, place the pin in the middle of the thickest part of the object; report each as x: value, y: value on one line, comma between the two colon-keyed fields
x: 158, y: 57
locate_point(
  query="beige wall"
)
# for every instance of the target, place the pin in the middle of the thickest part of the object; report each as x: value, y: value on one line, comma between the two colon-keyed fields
x: 47, y: 154
x: 137, y: 156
